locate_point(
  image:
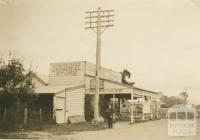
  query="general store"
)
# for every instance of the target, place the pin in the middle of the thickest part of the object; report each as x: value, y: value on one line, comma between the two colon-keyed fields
x: 71, y: 82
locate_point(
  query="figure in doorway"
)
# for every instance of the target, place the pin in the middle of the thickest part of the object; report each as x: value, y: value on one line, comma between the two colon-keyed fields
x: 109, y: 114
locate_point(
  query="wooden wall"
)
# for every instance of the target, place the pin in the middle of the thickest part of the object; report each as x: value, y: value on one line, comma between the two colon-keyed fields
x: 71, y: 101
x: 75, y: 102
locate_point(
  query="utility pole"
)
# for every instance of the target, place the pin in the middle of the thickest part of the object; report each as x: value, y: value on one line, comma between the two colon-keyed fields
x: 98, y: 21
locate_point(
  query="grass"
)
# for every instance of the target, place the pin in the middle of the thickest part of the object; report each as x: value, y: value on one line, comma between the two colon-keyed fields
x: 51, y: 129
x: 12, y: 136
x: 67, y: 128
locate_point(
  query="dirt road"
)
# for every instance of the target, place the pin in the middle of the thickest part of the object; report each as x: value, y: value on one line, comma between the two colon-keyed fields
x: 154, y: 130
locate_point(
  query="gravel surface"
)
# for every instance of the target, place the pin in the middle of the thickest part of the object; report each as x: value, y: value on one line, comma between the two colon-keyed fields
x: 152, y: 130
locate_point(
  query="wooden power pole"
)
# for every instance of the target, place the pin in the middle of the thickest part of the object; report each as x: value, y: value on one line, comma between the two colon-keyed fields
x: 98, y: 21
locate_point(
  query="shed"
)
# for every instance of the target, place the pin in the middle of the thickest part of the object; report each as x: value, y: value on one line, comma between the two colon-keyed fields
x: 68, y: 101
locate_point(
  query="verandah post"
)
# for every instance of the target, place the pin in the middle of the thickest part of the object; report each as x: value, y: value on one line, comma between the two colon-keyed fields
x: 151, y: 109
x: 143, y: 103
x: 113, y: 102
x: 132, y: 109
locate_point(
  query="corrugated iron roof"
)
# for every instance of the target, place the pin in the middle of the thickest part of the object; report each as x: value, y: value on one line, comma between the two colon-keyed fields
x: 50, y: 89
x: 55, y: 89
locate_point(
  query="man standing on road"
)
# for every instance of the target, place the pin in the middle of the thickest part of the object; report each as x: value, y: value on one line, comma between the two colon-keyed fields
x: 109, y: 113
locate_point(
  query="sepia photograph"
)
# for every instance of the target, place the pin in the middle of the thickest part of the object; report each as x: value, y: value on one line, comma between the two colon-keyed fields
x: 100, y: 69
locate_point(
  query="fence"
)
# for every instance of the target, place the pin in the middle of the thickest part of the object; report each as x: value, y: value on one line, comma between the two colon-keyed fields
x: 25, y: 115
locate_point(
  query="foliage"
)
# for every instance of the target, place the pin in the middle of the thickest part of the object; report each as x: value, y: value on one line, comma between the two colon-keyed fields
x: 184, y: 95
x: 16, y: 89
x: 126, y: 74
x: 171, y: 101
x: 16, y: 84
x: 11, y: 74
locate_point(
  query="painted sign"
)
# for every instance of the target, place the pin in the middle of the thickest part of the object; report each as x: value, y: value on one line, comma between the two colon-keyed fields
x: 66, y: 69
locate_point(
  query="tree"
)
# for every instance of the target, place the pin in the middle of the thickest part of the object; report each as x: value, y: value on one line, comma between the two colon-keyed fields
x: 185, y: 96
x: 126, y: 74
x: 17, y: 89
x: 171, y: 101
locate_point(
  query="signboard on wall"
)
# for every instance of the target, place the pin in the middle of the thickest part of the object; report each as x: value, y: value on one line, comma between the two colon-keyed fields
x: 66, y: 69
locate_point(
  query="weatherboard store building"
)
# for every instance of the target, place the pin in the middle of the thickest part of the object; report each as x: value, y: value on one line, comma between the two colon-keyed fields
x: 71, y: 82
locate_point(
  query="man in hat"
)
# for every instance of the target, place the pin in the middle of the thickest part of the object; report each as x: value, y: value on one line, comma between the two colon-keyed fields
x: 109, y: 114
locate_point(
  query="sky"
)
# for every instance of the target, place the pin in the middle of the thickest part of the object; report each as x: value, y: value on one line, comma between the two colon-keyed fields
x: 158, y: 41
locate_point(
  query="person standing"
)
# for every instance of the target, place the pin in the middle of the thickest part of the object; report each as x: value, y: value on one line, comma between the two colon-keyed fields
x: 109, y: 113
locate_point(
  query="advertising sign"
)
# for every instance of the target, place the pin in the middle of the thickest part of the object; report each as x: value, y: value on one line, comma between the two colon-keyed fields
x: 66, y: 69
